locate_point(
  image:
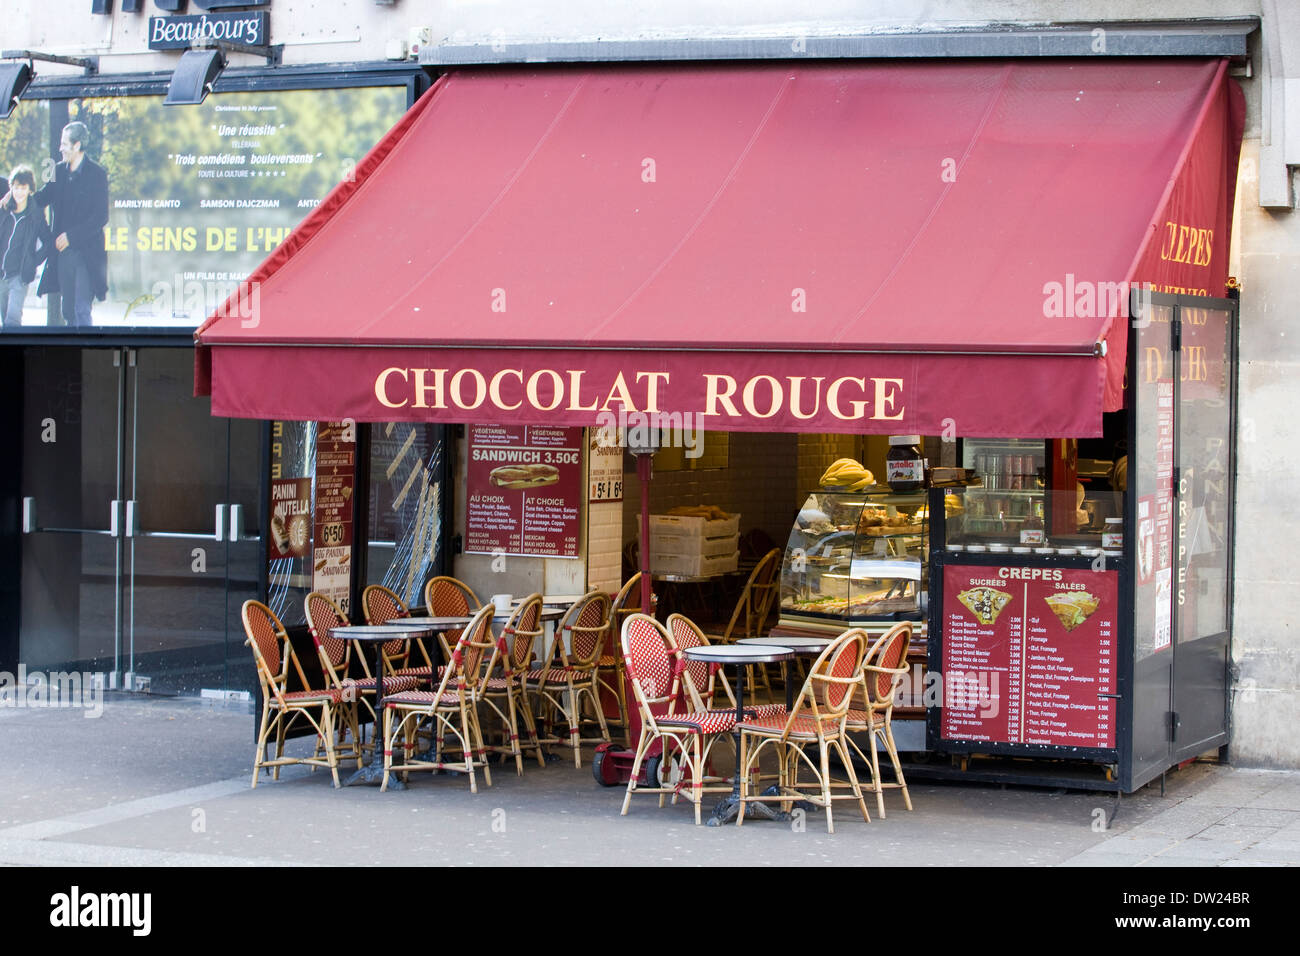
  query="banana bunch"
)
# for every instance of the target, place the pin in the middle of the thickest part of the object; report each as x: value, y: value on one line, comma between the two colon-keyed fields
x: 847, y: 474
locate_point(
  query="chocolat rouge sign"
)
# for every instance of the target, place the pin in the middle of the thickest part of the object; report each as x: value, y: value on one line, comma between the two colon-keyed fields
x: 179, y: 33
x: 174, y: 6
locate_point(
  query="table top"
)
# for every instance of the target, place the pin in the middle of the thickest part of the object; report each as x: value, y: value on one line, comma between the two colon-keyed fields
x: 741, y: 653
x: 689, y: 578
x: 555, y: 600
x: 803, y: 646
x: 380, y: 632
x: 454, y: 621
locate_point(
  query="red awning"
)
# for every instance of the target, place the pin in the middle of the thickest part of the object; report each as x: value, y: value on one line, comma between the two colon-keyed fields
x: 933, y: 247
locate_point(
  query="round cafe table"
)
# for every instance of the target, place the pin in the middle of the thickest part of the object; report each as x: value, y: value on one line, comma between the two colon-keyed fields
x: 740, y: 656
x: 378, y: 635
x: 802, y: 646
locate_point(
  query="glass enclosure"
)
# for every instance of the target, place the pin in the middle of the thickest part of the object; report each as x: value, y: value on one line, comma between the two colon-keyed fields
x: 855, y: 556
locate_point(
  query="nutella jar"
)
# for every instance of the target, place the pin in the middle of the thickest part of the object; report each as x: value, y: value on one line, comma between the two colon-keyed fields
x: 1113, y: 536
x: 904, y: 466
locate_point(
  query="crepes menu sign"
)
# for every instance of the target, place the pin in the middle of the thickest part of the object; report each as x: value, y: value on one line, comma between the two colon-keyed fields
x: 336, y: 453
x: 524, y: 490
x: 1029, y: 655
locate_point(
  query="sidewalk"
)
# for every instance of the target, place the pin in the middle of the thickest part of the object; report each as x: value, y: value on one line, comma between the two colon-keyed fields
x: 166, y: 782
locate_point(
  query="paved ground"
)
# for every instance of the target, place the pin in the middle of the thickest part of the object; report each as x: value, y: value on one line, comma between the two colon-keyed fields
x: 166, y: 781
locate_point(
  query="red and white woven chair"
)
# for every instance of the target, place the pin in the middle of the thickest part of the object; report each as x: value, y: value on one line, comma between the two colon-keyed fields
x: 336, y: 660
x: 449, y: 708
x: 507, y: 695
x: 281, y: 708
x: 559, y: 687
x: 819, y: 717
x: 885, y: 665
x: 380, y: 606
x: 686, y: 735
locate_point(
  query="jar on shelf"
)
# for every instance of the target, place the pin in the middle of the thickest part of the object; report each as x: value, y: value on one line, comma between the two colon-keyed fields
x: 904, y: 465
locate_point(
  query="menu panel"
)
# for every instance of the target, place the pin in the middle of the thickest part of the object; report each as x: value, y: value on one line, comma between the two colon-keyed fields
x: 1029, y: 655
x: 524, y: 490
x: 336, y: 446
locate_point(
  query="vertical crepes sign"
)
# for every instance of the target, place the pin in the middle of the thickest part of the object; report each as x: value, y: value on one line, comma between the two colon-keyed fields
x: 336, y: 455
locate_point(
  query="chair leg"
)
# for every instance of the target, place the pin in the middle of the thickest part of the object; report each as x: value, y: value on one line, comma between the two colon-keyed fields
x: 262, y: 733
x: 641, y: 745
x: 525, y: 709
x: 327, y: 712
x: 697, y: 776
x: 876, y: 783
x: 575, y: 735
x: 388, y: 746
x: 853, y: 778
x: 826, y: 784
x: 898, y: 769
x: 742, y: 768
x: 514, y: 734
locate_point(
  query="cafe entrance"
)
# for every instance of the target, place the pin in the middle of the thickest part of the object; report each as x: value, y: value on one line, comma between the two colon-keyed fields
x: 139, y: 521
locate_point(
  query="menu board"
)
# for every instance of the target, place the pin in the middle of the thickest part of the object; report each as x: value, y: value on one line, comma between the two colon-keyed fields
x: 524, y: 490
x: 604, y: 471
x: 336, y: 453
x: 1029, y: 655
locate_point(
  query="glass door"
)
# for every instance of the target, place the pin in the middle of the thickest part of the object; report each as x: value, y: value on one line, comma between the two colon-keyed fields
x: 149, y: 592
x: 190, y: 536
x: 72, y: 554
x: 1202, y: 556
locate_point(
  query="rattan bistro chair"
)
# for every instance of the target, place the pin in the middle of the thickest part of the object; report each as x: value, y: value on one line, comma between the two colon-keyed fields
x: 449, y: 597
x: 654, y: 669
x: 507, y: 695
x: 819, y: 718
x: 336, y: 659
x: 281, y: 708
x: 885, y: 665
x: 569, y: 674
x: 610, y: 679
x: 380, y: 605
x: 449, y: 707
x: 749, y: 617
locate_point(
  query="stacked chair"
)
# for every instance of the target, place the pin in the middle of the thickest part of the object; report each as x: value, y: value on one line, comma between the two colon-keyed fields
x: 885, y: 665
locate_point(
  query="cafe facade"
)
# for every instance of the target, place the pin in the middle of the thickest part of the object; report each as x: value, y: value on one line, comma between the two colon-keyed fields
x: 533, y: 255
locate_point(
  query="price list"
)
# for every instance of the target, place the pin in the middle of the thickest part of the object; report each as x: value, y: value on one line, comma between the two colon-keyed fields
x: 524, y: 489
x: 1029, y: 655
x: 336, y: 453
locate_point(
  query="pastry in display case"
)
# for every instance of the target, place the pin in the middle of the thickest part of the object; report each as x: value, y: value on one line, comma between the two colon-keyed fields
x: 856, y: 556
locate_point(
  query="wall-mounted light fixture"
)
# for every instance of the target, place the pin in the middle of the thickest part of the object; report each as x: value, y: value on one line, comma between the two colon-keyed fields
x: 203, y: 62
x: 16, y: 77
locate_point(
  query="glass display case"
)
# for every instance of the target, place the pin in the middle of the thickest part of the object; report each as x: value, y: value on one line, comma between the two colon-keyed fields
x: 856, y: 556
